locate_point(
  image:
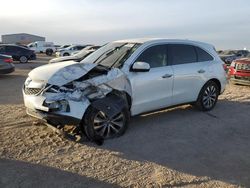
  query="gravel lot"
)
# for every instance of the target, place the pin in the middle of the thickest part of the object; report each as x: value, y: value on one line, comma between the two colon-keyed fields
x: 175, y: 147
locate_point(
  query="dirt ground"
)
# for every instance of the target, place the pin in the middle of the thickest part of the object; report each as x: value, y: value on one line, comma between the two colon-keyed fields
x: 178, y: 147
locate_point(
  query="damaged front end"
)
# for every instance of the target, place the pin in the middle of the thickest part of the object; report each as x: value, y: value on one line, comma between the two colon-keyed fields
x: 69, y: 92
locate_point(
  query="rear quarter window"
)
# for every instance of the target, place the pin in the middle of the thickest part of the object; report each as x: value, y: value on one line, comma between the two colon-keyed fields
x: 203, y: 55
x: 182, y: 54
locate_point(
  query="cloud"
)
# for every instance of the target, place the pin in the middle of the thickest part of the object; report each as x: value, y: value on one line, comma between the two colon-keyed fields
x: 223, y: 23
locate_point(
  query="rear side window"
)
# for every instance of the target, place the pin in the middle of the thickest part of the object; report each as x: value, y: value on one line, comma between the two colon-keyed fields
x: 182, y: 54
x: 80, y: 47
x: 2, y: 49
x: 10, y: 49
x: 203, y: 55
x: 155, y: 56
x: 13, y: 49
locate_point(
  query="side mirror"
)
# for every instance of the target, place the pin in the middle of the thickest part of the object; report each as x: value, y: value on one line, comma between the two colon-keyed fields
x: 140, y: 67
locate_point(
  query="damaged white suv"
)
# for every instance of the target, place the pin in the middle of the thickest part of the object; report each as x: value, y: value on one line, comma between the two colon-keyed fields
x: 123, y: 79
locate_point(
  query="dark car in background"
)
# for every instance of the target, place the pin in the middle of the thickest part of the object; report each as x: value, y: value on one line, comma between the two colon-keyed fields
x: 228, y: 56
x: 18, y: 53
x: 6, y: 65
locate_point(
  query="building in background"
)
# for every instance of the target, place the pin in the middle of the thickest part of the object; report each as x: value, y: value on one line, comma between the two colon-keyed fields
x: 21, y: 38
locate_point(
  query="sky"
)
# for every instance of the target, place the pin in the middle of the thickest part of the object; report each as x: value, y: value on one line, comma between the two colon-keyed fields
x: 223, y: 23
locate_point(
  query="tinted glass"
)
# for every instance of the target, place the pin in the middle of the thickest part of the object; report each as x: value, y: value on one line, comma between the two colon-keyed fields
x: 10, y: 49
x: 2, y: 49
x: 155, y: 56
x: 80, y: 47
x: 182, y: 54
x: 202, y: 55
x: 13, y: 49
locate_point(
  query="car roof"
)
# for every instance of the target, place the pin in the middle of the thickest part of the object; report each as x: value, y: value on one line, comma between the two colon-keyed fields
x: 149, y: 40
x: 13, y: 45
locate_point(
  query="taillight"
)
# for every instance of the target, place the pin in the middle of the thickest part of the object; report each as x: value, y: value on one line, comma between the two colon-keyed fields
x: 224, y: 66
x: 9, y: 60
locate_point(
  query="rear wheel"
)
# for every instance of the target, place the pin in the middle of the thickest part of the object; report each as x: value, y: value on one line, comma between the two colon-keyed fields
x: 98, y: 124
x: 66, y: 54
x: 49, y: 52
x: 23, y: 59
x: 208, y: 96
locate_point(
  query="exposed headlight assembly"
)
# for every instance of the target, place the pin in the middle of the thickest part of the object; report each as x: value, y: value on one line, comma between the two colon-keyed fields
x: 62, y: 105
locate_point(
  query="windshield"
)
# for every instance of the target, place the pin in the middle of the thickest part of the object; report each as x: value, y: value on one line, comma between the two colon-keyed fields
x: 112, y: 54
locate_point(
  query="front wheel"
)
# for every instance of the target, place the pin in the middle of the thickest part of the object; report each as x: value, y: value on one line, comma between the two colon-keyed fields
x: 98, y: 124
x: 208, y: 96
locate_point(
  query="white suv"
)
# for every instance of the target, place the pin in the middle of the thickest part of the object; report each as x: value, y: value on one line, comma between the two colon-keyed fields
x: 122, y: 79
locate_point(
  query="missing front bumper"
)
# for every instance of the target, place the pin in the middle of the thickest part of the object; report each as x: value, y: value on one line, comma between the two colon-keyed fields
x: 52, y: 118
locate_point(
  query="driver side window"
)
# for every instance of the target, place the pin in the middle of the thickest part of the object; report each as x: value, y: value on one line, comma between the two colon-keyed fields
x: 155, y: 56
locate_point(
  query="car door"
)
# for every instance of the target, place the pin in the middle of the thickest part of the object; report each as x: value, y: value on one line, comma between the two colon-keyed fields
x: 13, y: 51
x: 189, y: 73
x: 152, y: 90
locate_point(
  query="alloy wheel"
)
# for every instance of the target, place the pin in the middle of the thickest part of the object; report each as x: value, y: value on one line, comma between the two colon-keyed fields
x: 108, y: 127
x: 23, y: 59
x: 209, y: 97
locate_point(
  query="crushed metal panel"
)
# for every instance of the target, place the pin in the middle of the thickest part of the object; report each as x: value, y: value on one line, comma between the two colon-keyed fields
x: 70, y: 73
x: 121, y: 84
x: 115, y: 79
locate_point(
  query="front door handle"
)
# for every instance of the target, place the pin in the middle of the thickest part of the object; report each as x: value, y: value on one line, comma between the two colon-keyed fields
x: 201, y: 71
x: 167, y: 76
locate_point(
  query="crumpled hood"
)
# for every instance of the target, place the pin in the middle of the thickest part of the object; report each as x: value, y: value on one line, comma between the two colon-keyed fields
x: 60, y: 73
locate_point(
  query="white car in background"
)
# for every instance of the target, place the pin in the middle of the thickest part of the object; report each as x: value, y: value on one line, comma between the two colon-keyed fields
x: 88, y: 48
x: 62, y: 47
x: 122, y: 79
x: 42, y: 47
x: 67, y: 51
x: 77, y: 56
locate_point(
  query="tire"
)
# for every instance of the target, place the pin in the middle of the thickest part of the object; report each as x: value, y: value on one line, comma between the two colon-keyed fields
x: 208, y: 96
x: 49, y: 52
x: 105, y: 128
x: 66, y: 54
x: 23, y: 59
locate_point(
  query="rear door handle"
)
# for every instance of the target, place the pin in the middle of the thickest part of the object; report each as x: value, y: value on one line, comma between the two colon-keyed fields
x: 201, y: 71
x: 167, y: 76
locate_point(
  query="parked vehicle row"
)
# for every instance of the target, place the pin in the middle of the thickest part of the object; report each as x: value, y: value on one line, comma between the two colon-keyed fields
x: 239, y: 71
x: 122, y: 79
x: 229, y: 56
x: 18, y: 53
x: 69, y: 50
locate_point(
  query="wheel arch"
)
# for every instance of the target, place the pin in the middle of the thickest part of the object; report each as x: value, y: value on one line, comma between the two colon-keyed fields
x: 125, y: 96
x: 217, y: 82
